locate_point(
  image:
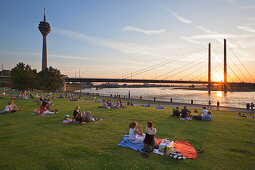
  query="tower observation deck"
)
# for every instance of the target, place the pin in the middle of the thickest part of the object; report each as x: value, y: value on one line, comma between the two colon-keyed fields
x: 44, y: 28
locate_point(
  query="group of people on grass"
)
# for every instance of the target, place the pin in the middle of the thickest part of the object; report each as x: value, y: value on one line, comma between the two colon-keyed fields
x: 243, y: 115
x: 11, y: 107
x: 137, y: 136
x: 45, y: 107
x: 185, y: 114
x: 116, y: 104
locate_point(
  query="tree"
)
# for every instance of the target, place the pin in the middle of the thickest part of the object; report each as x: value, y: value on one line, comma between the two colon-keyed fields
x: 50, y: 79
x: 23, y: 77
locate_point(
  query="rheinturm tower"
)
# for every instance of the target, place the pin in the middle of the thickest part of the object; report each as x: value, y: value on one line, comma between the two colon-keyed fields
x: 44, y: 28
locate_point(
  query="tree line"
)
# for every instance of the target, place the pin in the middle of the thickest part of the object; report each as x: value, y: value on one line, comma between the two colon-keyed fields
x: 23, y: 77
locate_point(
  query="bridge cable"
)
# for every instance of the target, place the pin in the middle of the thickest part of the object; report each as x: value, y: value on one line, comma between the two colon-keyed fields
x: 164, y: 62
x: 184, y: 69
x: 175, y: 69
x: 240, y: 61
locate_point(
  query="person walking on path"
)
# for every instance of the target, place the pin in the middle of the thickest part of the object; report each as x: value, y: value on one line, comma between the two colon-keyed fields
x: 252, y: 106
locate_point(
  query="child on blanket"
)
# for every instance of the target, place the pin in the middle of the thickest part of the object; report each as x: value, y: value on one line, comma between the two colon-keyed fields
x: 136, y: 135
x: 149, y: 140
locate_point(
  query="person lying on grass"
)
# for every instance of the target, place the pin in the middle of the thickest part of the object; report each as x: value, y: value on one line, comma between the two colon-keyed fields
x: 82, y: 117
x: 159, y: 107
x: 136, y: 134
x: 149, y: 140
x: 11, y: 107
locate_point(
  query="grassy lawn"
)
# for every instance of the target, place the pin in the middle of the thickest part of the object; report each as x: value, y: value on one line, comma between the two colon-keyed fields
x: 34, y: 142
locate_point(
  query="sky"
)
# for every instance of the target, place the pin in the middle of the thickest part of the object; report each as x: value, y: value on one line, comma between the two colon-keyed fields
x: 149, y: 39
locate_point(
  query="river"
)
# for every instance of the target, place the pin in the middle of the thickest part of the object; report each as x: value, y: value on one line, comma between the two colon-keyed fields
x: 229, y: 99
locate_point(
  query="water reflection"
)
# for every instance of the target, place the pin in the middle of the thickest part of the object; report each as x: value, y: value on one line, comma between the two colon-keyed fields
x: 219, y: 94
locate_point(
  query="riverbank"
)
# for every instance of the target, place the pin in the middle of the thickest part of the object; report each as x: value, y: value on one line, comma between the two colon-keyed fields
x: 173, y: 104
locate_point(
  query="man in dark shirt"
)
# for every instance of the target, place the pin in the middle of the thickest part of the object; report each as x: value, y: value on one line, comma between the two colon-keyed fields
x: 185, y: 112
x: 176, y: 112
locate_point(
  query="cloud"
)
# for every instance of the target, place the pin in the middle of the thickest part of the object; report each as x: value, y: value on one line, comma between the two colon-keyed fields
x: 246, y: 28
x: 180, y: 18
x: 205, y: 30
x: 150, y: 51
x: 175, y: 15
x: 147, y: 32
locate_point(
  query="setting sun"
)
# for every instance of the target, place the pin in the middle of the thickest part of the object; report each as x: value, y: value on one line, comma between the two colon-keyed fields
x: 218, y: 77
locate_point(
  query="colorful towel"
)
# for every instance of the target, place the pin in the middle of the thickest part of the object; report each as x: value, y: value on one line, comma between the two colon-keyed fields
x: 185, y: 148
x: 127, y: 143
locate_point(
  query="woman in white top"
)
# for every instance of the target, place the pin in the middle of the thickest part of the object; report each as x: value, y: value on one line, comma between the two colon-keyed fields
x: 136, y: 135
x: 204, y: 111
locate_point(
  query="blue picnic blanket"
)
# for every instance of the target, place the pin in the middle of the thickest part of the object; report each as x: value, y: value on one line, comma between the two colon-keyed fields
x: 127, y: 143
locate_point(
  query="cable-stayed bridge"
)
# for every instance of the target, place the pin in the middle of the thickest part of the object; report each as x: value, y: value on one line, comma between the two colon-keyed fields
x: 238, y: 71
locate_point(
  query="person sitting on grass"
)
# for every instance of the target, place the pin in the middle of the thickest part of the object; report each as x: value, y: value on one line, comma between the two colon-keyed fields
x: 250, y: 116
x: 159, y: 107
x: 11, y: 107
x: 184, y: 113
x: 136, y: 135
x: 103, y: 104
x: 44, y: 111
x: 244, y: 115
x: 207, y: 116
x: 109, y: 104
x: 149, y: 140
x: 204, y: 115
x: 195, y: 111
x: 239, y: 114
x: 204, y: 111
x: 76, y: 111
x: 176, y: 112
x: 147, y: 105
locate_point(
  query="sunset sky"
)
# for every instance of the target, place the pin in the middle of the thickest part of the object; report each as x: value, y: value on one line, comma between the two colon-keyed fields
x: 117, y: 38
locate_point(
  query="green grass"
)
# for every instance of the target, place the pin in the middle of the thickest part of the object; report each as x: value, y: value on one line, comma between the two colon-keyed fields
x: 34, y: 142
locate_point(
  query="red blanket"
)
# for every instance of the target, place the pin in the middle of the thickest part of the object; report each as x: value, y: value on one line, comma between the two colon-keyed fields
x: 185, y: 148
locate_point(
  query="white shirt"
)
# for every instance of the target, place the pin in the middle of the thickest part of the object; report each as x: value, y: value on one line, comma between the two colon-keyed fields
x: 204, y: 111
x: 151, y: 131
x: 7, y: 108
x: 132, y: 135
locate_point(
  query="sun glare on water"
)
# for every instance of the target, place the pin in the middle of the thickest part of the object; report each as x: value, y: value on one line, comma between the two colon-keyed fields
x: 219, y: 93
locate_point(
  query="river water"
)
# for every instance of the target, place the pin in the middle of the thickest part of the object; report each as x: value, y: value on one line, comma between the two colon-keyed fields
x: 229, y: 99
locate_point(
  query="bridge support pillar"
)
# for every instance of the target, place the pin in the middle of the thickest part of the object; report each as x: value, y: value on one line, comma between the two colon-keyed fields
x: 225, y: 65
x: 209, y: 68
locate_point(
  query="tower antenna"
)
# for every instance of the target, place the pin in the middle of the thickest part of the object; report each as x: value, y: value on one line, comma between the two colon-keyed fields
x: 44, y: 19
